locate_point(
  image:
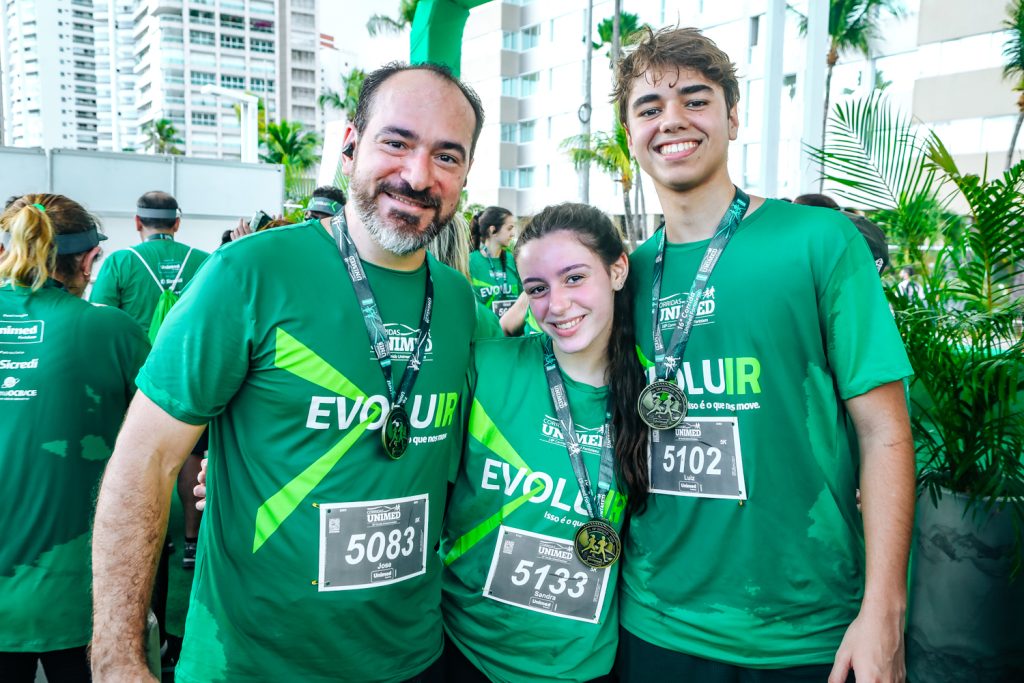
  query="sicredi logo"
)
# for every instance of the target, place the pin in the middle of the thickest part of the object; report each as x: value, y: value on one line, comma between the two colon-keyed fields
x: 19, y: 364
x: 21, y: 332
x: 9, y: 383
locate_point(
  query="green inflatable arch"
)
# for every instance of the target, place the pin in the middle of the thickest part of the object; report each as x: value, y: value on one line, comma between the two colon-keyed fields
x: 437, y: 32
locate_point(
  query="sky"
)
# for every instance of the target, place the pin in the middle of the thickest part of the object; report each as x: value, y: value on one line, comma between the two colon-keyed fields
x: 346, y: 21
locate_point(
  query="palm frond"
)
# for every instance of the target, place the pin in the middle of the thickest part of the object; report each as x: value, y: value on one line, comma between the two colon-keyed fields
x: 1013, y: 48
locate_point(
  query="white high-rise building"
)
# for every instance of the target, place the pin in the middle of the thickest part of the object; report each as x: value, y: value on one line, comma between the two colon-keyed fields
x: 48, y: 73
x: 940, y: 62
x: 299, y: 62
x: 117, y: 117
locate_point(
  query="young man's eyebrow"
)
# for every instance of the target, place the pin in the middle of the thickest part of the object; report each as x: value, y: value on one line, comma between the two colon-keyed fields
x: 645, y: 99
x: 695, y: 88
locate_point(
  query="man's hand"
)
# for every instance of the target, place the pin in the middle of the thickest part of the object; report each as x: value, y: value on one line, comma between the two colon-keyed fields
x: 872, y: 648
x: 200, y: 489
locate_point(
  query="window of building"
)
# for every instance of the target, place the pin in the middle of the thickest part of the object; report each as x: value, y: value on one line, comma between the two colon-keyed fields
x: 509, y: 87
x: 201, y: 37
x: 526, y: 130
x: 508, y: 132
x: 266, y: 46
x: 262, y: 7
x: 528, y: 84
x: 261, y: 26
x: 231, y: 21
x: 509, y: 40
x: 508, y: 178
x: 530, y: 36
x: 525, y: 177
x: 199, y: 17
x: 234, y: 82
x: 262, y: 85
x: 232, y: 42
x: 202, y: 118
x: 202, y: 78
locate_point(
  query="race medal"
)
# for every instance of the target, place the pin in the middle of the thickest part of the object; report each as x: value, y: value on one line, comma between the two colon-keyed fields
x: 597, y: 544
x: 662, y: 405
x: 394, y: 435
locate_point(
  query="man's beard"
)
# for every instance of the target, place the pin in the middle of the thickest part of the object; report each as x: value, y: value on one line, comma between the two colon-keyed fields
x: 398, y: 232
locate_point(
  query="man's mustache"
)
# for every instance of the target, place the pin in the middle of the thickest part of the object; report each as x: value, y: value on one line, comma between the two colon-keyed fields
x: 405, y: 190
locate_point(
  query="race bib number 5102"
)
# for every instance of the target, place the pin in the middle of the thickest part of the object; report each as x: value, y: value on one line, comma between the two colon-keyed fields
x: 372, y: 543
x: 701, y: 457
x: 543, y: 574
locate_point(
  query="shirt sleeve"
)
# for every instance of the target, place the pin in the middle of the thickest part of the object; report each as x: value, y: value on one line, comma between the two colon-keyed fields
x: 487, y: 325
x: 106, y: 290
x: 864, y: 347
x: 201, y: 356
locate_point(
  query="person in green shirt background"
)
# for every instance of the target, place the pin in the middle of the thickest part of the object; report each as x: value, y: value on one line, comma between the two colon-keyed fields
x: 520, y: 602
x: 765, y: 328
x: 330, y: 446
x: 66, y: 376
x: 492, y: 269
x: 133, y: 280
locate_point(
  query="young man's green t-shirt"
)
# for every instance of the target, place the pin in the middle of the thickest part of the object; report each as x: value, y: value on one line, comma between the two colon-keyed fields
x: 515, y: 598
x: 66, y: 377
x: 125, y: 282
x: 751, y: 550
x: 317, y: 553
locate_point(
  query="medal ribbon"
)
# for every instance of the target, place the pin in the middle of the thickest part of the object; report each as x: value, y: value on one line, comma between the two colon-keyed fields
x: 560, y: 398
x: 371, y: 315
x: 665, y: 364
x: 503, y: 278
x: 160, y: 236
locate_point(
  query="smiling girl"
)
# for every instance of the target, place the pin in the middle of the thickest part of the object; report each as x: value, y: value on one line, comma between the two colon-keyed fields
x: 533, y: 529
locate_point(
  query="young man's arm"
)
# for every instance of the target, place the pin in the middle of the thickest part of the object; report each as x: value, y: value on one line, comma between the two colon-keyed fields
x: 873, y: 644
x: 131, y: 519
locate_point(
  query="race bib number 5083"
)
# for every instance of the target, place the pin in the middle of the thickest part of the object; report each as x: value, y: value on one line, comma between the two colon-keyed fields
x: 372, y: 543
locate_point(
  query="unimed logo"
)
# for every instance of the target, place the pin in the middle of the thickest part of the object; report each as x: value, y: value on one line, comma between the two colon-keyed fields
x: 21, y: 332
x: 383, y: 514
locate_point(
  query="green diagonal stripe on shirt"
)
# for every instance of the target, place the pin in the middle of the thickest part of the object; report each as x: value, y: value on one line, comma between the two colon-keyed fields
x: 480, y: 531
x: 292, y: 355
x: 295, y: 357
x: 643, y: 359
x: 483, y: 429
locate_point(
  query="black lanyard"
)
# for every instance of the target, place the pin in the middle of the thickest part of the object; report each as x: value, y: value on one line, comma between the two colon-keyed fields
x: 560, y: 399
x: 160, y: 236
x: 665, y: 364
x: 371, y: 315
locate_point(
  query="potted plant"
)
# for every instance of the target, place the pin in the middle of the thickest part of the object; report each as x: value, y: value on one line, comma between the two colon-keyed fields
x: 961, y: 326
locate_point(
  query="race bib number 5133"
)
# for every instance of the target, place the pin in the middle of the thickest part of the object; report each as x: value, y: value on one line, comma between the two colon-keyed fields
x: 372, y: 543
x: 543, y: 574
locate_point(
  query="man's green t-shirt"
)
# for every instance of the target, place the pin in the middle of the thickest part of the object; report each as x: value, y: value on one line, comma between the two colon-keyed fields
x: 124, y: 282
x: 516, y: 602
x: 317, y: 553
x: 66, y: 377
x: 792, y: 323
x: 494, y: 282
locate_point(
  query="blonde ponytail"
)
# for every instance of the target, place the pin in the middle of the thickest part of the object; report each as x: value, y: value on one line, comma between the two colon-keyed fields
x: 31, y: 255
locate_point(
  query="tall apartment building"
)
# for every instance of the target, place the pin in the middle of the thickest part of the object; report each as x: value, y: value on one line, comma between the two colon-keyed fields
x: 112, y: 66
x: 940, y: 60
x: 48, y: 73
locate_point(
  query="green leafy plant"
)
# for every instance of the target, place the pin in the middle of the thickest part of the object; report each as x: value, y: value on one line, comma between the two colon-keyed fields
x: 610, y: 153
x: 348, y: 99
x: 1013, y: 67
x: 963, y: 337
x: 381, y: 23
x: 161, y: 137
x: 288, y: 144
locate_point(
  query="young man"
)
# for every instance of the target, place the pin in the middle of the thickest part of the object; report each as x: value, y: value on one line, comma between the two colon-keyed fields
x: 749, y: 563
x: 317, y: 558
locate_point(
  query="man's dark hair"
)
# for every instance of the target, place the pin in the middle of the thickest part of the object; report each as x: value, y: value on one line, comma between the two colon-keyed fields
x: 376, y: 78
x: 822, y: 200
x: 157, y: 200
x: 330, y: 192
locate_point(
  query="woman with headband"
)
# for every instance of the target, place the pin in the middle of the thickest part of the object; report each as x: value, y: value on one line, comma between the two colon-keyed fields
x: 67, y: 372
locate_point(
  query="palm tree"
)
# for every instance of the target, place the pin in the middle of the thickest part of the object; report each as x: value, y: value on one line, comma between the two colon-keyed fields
x: 852, y: 25
x: 161, y: 136
x: 348, y: 99
x: 286, y: 143
x: 610, y: 153
x: 629, y: 24
x: 1013, y: 51
x: 380, y: 23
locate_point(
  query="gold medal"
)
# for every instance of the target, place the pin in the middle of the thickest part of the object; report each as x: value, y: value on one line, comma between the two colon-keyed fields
x: 662, y: 405
x: 597, y: 544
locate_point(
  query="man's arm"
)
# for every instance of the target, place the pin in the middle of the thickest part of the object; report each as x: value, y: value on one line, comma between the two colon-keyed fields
x: 873, y: 644
x: 131, y: 519
x: 106, y: 290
